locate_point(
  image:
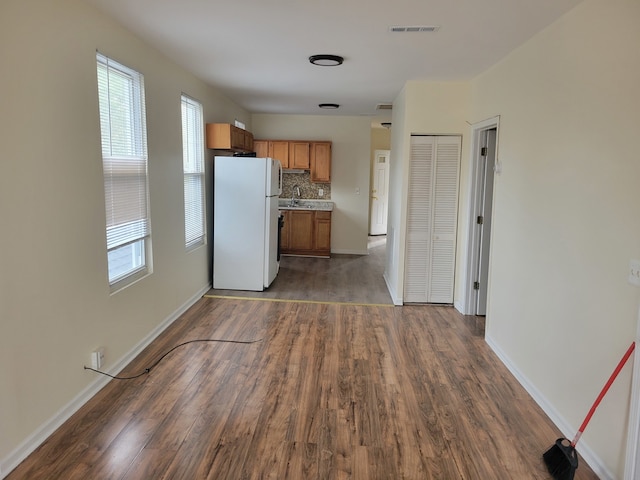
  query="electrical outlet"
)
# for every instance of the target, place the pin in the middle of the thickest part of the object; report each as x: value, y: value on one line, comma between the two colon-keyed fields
x: 321, y: 192
x: 97, y: 358
x: 634, y: 272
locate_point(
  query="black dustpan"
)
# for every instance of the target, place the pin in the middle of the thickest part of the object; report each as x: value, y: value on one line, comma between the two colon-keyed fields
x: 561, y: 460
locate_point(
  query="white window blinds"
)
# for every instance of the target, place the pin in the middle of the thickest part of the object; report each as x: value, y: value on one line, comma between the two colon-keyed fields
x: 193, y: 167
x: 124, y: 158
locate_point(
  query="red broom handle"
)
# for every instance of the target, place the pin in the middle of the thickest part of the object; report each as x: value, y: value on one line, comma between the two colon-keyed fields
x: 605, y: 389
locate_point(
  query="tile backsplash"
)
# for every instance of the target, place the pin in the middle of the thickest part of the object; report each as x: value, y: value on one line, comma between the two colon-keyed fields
x: 308, y: 190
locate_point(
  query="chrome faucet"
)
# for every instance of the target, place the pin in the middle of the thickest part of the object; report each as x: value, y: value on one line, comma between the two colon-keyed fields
x: 295, y: 189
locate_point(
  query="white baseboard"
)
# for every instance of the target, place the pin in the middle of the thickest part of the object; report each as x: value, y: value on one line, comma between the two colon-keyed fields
x: 459, y: 307
x: 34, y: 440
x: 565, y: 427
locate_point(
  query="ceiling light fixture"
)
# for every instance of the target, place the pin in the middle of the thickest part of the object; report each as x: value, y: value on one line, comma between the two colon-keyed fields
x: 326, y: 60
x: 329, y: 105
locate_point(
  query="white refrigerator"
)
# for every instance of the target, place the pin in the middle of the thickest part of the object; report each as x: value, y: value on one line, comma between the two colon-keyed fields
x: 245, y: 222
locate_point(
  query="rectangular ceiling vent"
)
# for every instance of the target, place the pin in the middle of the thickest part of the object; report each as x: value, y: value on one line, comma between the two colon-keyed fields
x: 384, y: 106
x: 413, y: 28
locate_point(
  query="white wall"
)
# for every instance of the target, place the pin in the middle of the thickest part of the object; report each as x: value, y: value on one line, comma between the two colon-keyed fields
x: 351, y: 141
x: 380, y: 140
x: 398, y: 163
x: 567, y: 215
x: 55, y: 305
x: 430, y: 108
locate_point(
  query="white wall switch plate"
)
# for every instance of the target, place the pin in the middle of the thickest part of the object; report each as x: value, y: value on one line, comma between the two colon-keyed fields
x: 634, y: 272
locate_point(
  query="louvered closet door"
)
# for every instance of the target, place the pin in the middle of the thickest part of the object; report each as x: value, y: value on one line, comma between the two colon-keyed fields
x: 419, y: 214
x: 432, y: 219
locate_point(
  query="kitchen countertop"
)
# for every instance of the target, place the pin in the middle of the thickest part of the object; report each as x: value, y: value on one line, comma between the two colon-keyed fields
x: 321, y: 205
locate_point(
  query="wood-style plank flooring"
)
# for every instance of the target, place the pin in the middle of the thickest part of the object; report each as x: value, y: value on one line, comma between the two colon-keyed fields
x: 330, y: 391
x: 342, y: 278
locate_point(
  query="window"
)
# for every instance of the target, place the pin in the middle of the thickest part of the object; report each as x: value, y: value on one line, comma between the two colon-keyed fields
x: 193, y: 167
x: 124, y: 161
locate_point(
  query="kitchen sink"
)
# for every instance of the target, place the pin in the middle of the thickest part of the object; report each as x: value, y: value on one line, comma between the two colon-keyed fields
x: 306, y: 205
x: 299, y: 206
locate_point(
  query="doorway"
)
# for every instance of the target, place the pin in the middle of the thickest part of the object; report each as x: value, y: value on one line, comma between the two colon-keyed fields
x: 379, y: 193
x: 484, y: 166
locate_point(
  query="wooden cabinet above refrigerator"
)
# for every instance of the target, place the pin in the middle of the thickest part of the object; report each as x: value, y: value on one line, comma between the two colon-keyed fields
x: 224, y: 136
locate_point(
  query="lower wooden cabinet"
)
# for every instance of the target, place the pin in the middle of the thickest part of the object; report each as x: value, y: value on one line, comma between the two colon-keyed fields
x: 322, y: 233
x: 301, y: 232
x: 306, y: 232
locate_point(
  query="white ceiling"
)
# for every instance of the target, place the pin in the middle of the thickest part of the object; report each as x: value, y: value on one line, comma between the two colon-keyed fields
x: 256, y: 51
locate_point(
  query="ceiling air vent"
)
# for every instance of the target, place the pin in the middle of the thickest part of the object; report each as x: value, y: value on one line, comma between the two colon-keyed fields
x: 413, y: 28
x: 384, y: 106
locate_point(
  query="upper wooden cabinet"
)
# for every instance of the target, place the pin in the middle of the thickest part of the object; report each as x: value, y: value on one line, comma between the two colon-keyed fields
x: 299, y: 155
x: 321, y: 162
x: 279, y: 149
x: 261, y: 147
x: 224, y: 136
x: 248, y: 140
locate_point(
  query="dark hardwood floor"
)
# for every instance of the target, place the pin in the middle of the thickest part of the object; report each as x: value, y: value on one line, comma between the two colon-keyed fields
x: 329, y: 391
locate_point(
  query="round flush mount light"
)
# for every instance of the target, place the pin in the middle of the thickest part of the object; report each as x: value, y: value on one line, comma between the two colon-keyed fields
x: 329, y: 105
x: 326, y: 60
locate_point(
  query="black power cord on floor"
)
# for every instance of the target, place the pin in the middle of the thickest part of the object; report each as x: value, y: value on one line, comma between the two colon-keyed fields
x: 148, y: 369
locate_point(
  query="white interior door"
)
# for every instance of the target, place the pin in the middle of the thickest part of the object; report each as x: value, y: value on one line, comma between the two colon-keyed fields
x: 379, y: 193
x: 486, y: 165
x: 432, y: 218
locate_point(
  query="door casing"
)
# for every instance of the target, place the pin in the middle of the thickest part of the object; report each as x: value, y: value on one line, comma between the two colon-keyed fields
x: 476, y: 188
